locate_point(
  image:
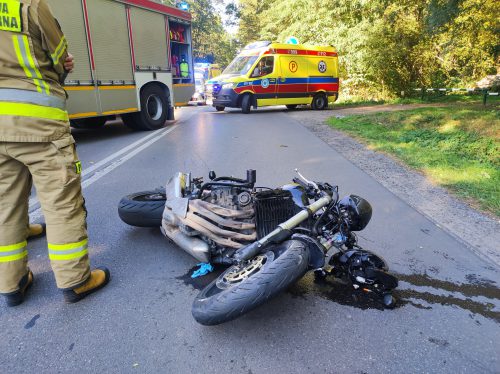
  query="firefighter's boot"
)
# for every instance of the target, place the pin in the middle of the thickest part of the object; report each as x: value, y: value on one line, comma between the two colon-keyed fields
x: 97, y: 280
x: 36, y: 230
x: 17, y: 297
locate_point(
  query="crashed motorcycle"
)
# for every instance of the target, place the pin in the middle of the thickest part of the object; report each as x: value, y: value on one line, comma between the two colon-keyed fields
x: 267, y: 237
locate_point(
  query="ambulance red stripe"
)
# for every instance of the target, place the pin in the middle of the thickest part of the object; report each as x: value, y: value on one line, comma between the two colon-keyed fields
x: 323, y: 86
x: 301, y: 52
x: 290, y: 88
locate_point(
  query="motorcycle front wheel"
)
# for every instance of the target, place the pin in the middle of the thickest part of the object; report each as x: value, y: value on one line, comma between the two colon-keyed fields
x: 243, y: 288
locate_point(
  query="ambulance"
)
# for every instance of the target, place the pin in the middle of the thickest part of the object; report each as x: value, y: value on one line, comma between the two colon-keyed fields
x: 266, y: 73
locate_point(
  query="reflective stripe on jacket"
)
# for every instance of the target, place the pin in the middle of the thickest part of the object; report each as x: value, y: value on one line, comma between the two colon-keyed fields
x: 32, y: 54
x: 184, y: 69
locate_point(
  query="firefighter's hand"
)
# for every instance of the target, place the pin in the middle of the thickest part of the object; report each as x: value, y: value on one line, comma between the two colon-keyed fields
x: 69, y: 63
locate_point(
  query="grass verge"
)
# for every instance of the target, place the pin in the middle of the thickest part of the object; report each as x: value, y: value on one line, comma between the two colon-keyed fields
x: 433, y: 97
x: 457, y: 147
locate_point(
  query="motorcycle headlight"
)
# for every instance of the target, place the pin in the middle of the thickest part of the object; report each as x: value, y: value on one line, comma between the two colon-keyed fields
x: 227, y: 85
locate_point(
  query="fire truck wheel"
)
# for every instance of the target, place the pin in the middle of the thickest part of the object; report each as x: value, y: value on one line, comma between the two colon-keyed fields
x: 246, y: 103
x: 93, y: 123
x: 319, y: 102
x: 219, y: 108
x: 154, y: 113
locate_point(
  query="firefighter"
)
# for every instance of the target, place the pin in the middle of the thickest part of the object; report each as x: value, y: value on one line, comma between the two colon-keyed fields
x: 184, y: 66
x: 36, y: 143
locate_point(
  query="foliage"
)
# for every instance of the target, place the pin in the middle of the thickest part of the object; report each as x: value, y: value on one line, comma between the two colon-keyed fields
x: 210, y: 41
x: 457, y: 147
x: 250, y: 20
x: 386, y: 46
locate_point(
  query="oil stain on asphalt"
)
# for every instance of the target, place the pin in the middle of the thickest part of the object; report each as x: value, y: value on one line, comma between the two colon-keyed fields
x: 480, y: 296
x: 32, y: 322
x: 200, y: 282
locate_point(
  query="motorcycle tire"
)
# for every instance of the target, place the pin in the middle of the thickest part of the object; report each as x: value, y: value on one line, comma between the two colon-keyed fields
x: 226, y: 298
x: 143, y: 209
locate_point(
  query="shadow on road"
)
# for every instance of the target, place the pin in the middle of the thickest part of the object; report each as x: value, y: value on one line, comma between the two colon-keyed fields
x: 113, y: 129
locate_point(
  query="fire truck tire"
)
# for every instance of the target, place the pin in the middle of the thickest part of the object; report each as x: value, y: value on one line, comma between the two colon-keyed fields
x: 319, y: 101
x: 93, y: 123
x: 246, y: 103
x: 219, y: 108
x: 154, y: 113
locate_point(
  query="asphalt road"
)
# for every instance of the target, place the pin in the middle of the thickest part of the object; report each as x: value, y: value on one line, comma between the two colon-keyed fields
x: 447, y: 320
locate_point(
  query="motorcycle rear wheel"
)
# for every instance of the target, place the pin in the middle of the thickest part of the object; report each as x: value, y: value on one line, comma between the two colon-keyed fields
x: 240, y: 289
x: 143, y: 209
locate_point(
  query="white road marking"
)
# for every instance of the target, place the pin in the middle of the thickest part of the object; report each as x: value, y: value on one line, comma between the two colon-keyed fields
x: 115, y: 160
x: 33, y: 201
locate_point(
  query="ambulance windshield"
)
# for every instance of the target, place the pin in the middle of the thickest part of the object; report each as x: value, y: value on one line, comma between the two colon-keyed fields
x: 240, y: 65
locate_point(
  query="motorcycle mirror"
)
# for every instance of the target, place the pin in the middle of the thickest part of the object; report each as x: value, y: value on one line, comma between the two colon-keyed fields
x: 212, y: 175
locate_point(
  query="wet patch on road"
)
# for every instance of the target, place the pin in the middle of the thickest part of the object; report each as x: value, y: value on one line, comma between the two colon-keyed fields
x: 440, y: 342
x: 32, y: 322
x: 337, y: 291
x: 436, y: 291
x: 200, y: 282
x: 481, y: 296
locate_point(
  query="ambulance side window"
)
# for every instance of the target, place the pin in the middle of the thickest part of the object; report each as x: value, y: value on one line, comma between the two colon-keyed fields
x: 264, y: 67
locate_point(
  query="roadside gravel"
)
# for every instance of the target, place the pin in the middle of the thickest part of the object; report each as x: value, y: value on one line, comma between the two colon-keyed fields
x: 478, y: 231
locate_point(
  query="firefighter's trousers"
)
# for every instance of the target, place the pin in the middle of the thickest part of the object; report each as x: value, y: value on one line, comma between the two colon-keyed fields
x: 55, y: 171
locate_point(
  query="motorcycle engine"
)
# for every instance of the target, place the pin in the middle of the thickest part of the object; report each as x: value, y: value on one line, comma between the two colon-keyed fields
x: 235, y: 198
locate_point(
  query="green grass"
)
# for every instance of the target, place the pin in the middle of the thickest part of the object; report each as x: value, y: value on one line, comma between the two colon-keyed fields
x: 430, y: 97
x: 457, y: 147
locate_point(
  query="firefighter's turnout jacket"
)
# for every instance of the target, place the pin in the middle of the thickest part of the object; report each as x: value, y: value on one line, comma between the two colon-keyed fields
x: 32, y: 53
x: 36, y: 144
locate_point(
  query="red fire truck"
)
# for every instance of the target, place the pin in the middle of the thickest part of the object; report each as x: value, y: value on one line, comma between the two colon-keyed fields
x: 128, y: 56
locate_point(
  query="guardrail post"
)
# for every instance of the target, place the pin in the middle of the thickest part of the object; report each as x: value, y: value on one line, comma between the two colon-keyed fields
x: 485, y: 96
x: 423, y: 94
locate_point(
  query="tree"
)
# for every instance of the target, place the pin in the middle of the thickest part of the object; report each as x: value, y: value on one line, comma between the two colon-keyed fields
x: 250, y: 20
x: 210, y: 40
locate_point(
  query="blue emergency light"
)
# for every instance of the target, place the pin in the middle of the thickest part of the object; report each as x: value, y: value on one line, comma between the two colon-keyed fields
x: 183, y: 6
x: 292, y: 40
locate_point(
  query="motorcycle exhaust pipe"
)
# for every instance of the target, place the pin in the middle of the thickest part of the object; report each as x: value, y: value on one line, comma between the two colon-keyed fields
x: 194, y: 246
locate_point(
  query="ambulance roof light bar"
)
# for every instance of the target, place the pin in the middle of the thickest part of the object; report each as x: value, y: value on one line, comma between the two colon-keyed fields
x: 256, y: 45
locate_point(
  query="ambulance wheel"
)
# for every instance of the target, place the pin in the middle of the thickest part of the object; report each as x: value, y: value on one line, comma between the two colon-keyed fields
x: 292, y: 106
x: 246, y: 103
x: 154, y: 113
x: 319, y: 102
x: 219, y: 108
